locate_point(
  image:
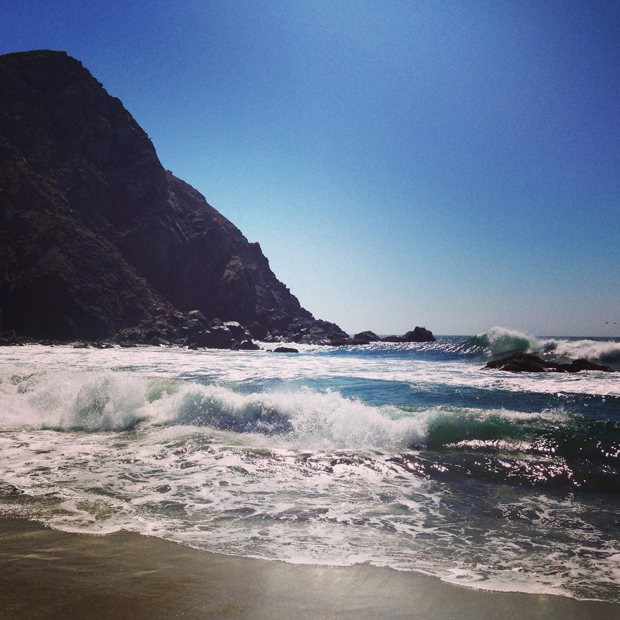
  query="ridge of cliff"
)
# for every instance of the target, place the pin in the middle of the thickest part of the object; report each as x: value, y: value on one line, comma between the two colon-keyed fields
x: 96, y: 236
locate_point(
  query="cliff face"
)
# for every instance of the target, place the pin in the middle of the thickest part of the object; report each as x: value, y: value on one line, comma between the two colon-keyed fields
x: 94, y: 234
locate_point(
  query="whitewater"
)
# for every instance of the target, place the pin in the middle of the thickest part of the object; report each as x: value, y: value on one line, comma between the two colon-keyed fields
x: 409, y: 456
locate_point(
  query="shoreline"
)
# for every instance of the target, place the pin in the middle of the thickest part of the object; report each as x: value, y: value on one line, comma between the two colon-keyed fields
x: 51, y: 574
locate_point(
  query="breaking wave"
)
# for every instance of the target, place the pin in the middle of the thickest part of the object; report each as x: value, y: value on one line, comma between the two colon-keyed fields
x: 501, y: 341
x: 112, y: 401
x: 105, y: 401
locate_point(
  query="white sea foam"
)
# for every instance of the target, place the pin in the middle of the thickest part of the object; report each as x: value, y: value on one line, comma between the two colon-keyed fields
x: 258, y: 454
x: 61, y: 397
x: 90, y: 401
x: 104, y: 401
x: 499, y: 340
x: 587, y: 349
x: 115, y: 401
x: 192, y: 486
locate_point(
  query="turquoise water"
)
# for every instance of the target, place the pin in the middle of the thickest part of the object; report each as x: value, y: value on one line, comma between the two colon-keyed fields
x: 411, y: 456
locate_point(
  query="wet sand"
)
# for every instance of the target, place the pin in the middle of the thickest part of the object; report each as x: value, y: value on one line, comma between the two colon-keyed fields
x: 53, y: 575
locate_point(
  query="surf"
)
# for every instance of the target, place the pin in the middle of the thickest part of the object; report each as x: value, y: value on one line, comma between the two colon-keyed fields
x: 499, y: 341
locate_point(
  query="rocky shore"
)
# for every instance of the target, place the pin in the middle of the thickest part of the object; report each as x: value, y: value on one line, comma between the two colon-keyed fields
x: 99, y: 242
x: 195, y: 331
x: 525, y: 362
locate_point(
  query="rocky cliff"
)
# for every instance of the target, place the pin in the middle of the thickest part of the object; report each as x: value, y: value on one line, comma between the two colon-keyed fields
x: 95, y: 236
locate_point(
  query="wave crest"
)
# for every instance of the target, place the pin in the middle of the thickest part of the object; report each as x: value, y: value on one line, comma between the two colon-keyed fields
x: 501, y: 341
x: 114, y: 401
x: 303, y: 418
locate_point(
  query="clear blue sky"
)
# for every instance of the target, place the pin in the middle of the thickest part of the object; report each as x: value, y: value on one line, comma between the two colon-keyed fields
x: 454, y: 165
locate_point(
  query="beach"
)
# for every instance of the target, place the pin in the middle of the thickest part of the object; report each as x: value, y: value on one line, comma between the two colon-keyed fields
x: 51, y: 574
x: 386, y: 481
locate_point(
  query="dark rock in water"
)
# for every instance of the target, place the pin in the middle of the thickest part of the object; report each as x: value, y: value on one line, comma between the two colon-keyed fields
x: 368, y: 335
x: 419, y: 334
x: 285, y: 350
x: 157, y: 341
x: 520, y: 362
x: 348, y: 342
x: 393, y: 339
x: 525, y: 362
x: 247, y: 345
x: 312, y: 331
x: 191, y: 330
x: 201, y: 339
x: 96, y: 237
x: 8, y: 338
x: 582, y: 364
x: 221, y: 338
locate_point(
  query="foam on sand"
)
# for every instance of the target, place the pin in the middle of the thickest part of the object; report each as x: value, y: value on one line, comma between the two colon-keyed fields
x: 56, y: 575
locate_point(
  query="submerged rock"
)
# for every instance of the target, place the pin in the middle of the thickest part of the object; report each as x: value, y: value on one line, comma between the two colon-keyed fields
x: 525, y: 362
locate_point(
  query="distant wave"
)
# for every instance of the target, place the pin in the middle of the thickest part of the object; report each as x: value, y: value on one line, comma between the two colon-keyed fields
x: 499, y: 341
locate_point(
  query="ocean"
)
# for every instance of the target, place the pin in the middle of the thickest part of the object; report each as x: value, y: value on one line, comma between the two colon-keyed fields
x: 409, y: 456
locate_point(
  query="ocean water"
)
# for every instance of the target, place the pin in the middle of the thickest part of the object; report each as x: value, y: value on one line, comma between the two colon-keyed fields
x: 410, y: 456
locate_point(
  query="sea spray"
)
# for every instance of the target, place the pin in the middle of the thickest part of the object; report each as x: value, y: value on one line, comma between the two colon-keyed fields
x: 501, y: 341
x: 107, y: 401
x: 587, y: 349
x: 89, y: 401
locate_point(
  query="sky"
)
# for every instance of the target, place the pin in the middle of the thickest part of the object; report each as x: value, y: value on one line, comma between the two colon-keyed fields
x: 453, y: 165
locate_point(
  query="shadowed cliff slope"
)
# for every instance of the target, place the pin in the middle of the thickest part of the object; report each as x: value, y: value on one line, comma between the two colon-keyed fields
x: 94, y: 234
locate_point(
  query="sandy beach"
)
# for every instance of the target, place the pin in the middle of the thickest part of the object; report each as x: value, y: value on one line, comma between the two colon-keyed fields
x: 51, y: 574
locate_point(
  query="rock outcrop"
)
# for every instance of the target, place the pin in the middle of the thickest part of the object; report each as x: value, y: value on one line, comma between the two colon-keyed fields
x: 419, y: 334
x: 285, y: 350
x: 524, y: 362
x: 96, y: 237
x: 368, y: 336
